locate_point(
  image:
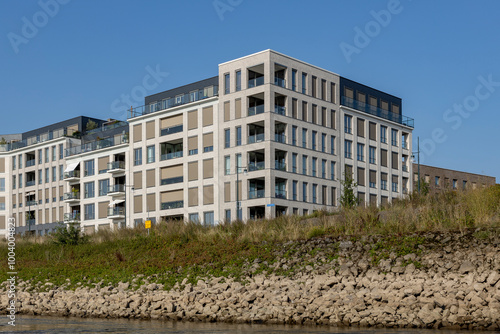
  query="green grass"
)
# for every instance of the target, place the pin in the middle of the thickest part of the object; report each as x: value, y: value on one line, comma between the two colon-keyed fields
x: 176, y: 250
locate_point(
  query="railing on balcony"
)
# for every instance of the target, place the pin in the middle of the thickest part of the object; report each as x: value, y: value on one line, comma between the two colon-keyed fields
x: 281, y: 110
x: 30, y: 163
x: 404, y: 145
x: 361, y: 106
x: 405, y: 168
x: 116, y: 165
x: 256, y: 138
x: 280, y: 165
x: 172, y: 129
x: 172, y: 205
x: 30, y: 222
x: 110, y: 126
x: 280, y: 138
x: 30, y: 183
x: 280, y: 194
x: 253, y: 166
x: 279, y: 82
x: 116, y: 188
x: 172, y: 180
x: 172, y: 155
x: 256, y: 194
x: 96, y: 145
x: 70, y: 217
x: 256, y: 110
x: 116, y: 211
x: 71, y: 196
x: 73, y: 174
x: 256, y: 82
x: 31, y: 203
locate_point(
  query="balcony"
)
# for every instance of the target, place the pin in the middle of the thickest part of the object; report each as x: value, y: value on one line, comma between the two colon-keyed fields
x: 30, y: 183
x: 280, y: 82
x: 31, y: 203
x: 116, y: 190
x: 259, y: 81
x: 278, y: 165
x: 280, y: 110
x: 172, y: 155
x: 280, y: 194
x: 172, y: 130
x: 253, y: 166
x: 280, y: 138
x: 72, y: 197
x: 116, y: 212
x: 405, y: 168
x: 404, y: 145
x: 30, y: 222
x: 71, y: 218
x: 256, y: 138
x: 30, y: 163
x: 172, y: 180
x: 96, y: 145
x: 358, y: 105
x: 72, y: 176
x: 256, y: 110
x: 256, y: 194
x: 172, y: 205
x: 116, y: 167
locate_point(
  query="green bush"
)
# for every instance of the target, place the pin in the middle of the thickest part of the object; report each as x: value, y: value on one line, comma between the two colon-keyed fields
x: 70, y: 235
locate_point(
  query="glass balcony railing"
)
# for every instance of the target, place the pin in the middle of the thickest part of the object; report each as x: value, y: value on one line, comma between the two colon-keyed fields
x: 256, y: 110
x: 31, y: 203
x: 172, y: 205
x: 280, y: 138
x: 96, y: 145
x: 116, y: 211
x: 172, y: 180
x: 116, y: 165
x: 278, y: 165
x: 279, y: 82
x: 30, y: 163
x: 73, y: 174
x: 172, y: 155
x: 253, y: 166
x: 280, y: 194
x: 256, y: 82
x: 281, y: 110
x: 405, y: 168
x: 256, y: 138
x: 116, y: 188
x: 106, y: 127
x: 252, y: 194
x: 71, y: 196
x: 361, y: 106
x: 405, y: 145
x: 30, y: 183
x: 172, y: 130
x: 30, y: 222
x: 72, y: 217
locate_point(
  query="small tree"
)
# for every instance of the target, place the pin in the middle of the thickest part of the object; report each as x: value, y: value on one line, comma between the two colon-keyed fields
x: 70, y: 235
x: 3, y: 141
x: 91, y: 125
x: 348, y: 199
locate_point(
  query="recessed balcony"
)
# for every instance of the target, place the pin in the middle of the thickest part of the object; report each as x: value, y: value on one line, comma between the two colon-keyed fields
x: 172, y: 205
x: 72, y: 197
x: 73, y: 176
x: 116, y: 212
x: 116, y: 190
x: 72, y: 218
x: 116, y: 167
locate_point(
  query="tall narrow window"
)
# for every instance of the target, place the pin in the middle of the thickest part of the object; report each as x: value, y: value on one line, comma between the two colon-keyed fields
x: 323, y: 169
x: 238, y: 82
x: 347, y: 124
x: 226, y: 83
x: 372, y: 155
x: 138, y: 156
x: 151, y: 154
x: 227, y: 165
x: 294, y: 79
x: 314, y: 193
x: 238, y: 136
x: 294, y: 135
x: 304, y: 83
x: 304, y: 191
x: 383, y: 134
x: 332, y: 144
x: 304, y: 164
x: 227, y: 138
x: 348, y: 149
x: 323, y: 142
x: 294, y: 162
x: 332, y: 170
x: 394, y: 137
x: 314, y: 164
x: 294, y: 190
x: 61, y: 151
x: 361, y: 152
x: 304, y: 138
x: 314, y: 135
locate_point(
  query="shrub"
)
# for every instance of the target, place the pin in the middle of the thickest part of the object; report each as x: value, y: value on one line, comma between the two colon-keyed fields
x: 70, y: 235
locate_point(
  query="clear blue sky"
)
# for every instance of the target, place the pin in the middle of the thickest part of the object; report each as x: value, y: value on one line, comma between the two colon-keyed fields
x: 84, y: 55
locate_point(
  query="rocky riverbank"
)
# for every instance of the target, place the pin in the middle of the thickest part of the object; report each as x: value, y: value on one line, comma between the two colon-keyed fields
x: 449, y: 280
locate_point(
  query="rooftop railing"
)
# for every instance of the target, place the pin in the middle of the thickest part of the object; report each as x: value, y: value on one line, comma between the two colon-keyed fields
x: 361, y: 106
x: 106, y: 127
x: 96, y: 145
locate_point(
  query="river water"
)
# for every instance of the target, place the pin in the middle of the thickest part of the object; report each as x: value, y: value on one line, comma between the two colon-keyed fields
x: 56, y: 325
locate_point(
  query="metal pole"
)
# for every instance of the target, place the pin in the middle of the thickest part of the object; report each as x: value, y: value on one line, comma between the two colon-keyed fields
x: 237, y: 191
x: 418, y: 157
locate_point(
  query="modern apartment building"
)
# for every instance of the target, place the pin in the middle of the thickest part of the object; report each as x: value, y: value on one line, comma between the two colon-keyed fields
x: 269, y: 135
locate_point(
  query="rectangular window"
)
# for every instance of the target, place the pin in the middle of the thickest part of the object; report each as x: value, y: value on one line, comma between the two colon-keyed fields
x: 332, y: 144
x: 314, y: 135
x: 61, y: 151
x: 383, y: 134
x: 304, y: 111
x: 304, y: 83
x: 40, y: 176
x: 348, y: 149
x: 227, y: 165
x: 103, y: 187
x: 436, y: 181
x: 454, y: 184
x: 294, y: 79
x: 14, y: 184
x: 54, y: 154
x: 323, y: 169
x: 238, y: 163
x: 394, y: 137
x: 294, y: 190
x: 89, y: 190
x: 194, y: 217
x: 227, y: 138
x: 138, y: 156
x: 88, y: 168
x: 14, y: 163
x: 47, y: 175
x: 226, y: 83
x: 20, y: 161
x: 304, y: 137
x: 2, y: 184
x: 208, y: 218
x: 238, y: 136
x: 40, y: 159
x: 46, y: 154
x: 20, y: 181
x: 304, y: 164
x: 394, y: 186
x: 314, y: 163
x: 314, y: 193
x: 332, y: 92
x: 294, y: 135
x: 347, y: 124
x: 304, y: 191
x: 313, y: 86
x: 323, y: 142
x: 227, y: 215
x: 54, y: 174
x: 361, y: 152
x: 332, y: 170
x: 61, y: 172
x: 294, y: 162
x: 464, y: 184
x: 372, y: 154
x: 150, y: 154
x: 89, y: 211
x: 238, y: 85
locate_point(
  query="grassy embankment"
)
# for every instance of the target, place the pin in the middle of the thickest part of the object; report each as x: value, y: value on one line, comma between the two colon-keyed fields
x: 174, y: 251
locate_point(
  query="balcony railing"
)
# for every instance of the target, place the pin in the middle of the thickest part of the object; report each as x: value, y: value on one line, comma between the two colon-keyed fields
x: 96, y: 145
x: 281, y: 110
x: 280, y: 138
x: 30, y: 222
x: 172, y: 180
x: 30, y: 163
x: 172, y: 205
x: 361, y: 106
x: 172, y: 155
x: 30, y: 183
x: 71, y: 196
x: 31, y: 203
x: 404, y: 145
x: 256, y: 82
x: 72, y: 217
x: 279, y: 82
x: 75, y: 174
x: 256, y: 194
x: 253, y: 166
x: 256, y: 110
x: 256, y: 138
x: 172, y: 102
x: 116, y: 165
x: 116, y: 211
x: 405, y: 168
x: 172, y: 130
x: 280, y: 165
x: 116, y: 188
x: 280, y: 194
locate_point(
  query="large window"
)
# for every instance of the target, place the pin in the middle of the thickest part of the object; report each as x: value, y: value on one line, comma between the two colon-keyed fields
x: 226, y: 83
x: 89, y: 190
x: 89, y: 168
x: 89, y: 211
x: 294, y: 79
x: 238, y: 82
x: 238, y: 136
x: 361, y: 152
x: 227, y: 138
x: 394, y: 137
x: 103, y: 187
x: 348, y: 149
x: 138, y: 156
x: 304, y: 164
x: 208, y: 218
x: 294, y: 162
x: 2, y: 184
x: 347, y: 124
x: 150, y: 154
x: 372, y: 154
x: 227, y: 165
x: 294, y: 135
x: 383, y: 134
x: 294, y: 190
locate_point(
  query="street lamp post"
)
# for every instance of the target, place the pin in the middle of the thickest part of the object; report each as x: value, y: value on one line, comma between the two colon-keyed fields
x: 418, y: 161
x: 126, y: 203
x: 238, y: 204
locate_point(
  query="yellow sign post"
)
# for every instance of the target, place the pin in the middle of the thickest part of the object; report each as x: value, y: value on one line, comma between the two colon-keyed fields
x: 147, y: 223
